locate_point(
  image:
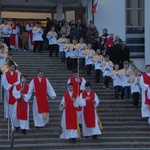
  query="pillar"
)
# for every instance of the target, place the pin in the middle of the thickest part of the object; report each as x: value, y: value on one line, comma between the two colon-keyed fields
x: 0, y: 13
x: 147, y: 31
x: 59, y: 12
x: 89, y: 15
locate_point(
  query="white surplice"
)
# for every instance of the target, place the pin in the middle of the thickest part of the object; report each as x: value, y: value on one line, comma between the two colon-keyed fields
x: 145, y: 111
x: 116, y: 80
x: 9, y: 107
x: 39, y: 121
x: 66, y: 134
x: 37, y: 34
x: 85, y: 130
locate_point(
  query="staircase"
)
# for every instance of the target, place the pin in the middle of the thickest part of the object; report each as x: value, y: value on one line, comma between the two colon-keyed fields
x: 124, y: 129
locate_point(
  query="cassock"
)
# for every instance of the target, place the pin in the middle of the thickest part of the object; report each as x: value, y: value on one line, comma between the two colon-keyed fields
x: 29, y: 28
x: 69, y: 121
x: 90, y: 125
x: 41, y: 88
x: 9, y: 78
x: 22, y: 106
x: 78, y: 88
x: 145, y: 83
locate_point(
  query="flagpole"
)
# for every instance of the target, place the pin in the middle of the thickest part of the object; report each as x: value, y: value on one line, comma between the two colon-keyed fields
x: 93, y: 13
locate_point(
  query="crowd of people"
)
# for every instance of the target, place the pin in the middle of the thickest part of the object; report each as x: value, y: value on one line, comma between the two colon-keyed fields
x: 80, y: 47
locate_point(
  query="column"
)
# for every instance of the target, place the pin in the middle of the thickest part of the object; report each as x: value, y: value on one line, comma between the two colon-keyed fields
x: 147, y: 31
x: 52, y: 14
x: 59, y: 12
x: 88, y: 11
x: 0, y: 13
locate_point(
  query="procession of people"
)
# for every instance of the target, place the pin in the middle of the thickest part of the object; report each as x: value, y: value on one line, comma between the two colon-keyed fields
x: 107, y: 54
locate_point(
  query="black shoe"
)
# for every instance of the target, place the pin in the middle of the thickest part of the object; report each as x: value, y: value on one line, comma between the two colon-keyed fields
x: 137, y: 107
x: 39, y: 127
x: 94, y: 136
x: 24, y: 131
x: 74, y: 140
x: 116, y: 97
x: 17, y: 128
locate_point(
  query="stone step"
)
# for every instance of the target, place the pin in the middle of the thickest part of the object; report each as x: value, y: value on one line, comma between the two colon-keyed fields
x: 92, y: 145
x: 123, y: 126
x: 81, y: 140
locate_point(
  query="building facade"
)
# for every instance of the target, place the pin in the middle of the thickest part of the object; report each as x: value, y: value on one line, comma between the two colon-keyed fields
x: 130, y: 19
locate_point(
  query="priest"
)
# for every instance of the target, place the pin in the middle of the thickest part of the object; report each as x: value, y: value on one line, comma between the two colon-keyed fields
x: 9, y: 80
x: 145, y: 85
x: 41, y: 87
x: 29, y: 28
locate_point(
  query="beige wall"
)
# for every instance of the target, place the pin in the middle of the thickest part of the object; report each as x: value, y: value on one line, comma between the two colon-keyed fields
x: 70, y: 15
x: 25, y: 15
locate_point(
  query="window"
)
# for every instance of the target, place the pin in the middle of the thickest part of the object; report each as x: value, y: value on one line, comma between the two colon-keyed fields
x: 135, y: 26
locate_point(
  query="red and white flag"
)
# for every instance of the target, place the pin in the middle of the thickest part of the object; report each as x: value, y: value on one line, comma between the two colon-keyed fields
x: 96, y: 6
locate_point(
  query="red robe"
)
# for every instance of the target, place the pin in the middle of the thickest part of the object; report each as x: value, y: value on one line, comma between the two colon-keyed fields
x: 41, y: 94
x: 76, y: 85
x: 89, y: 110
x: 109, y: 42
x: 31, y: 34
x: 11, y: 79
x: 76, y: 88
x: 13, y: 36
x: 146, y: 81
x: 22, y: 106
x: 71, y: 114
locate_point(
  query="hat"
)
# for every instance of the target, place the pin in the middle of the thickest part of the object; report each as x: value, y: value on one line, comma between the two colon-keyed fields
x: 116, y: 40
x: 110, y: 34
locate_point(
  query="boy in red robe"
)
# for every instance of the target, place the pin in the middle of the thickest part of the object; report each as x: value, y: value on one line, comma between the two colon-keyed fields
x: 89, y: 101
x: 79, y: 86
x: 22, y: 107
x: 69, y: 122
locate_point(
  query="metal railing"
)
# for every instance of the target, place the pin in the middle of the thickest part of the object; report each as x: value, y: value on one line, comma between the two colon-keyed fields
x: 10, y: 129
x: 10, y: 121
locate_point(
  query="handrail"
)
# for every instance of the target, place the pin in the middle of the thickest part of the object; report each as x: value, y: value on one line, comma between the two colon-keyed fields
x: 1, y: 92
x: 9, y: 119
x: 10, y: 129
